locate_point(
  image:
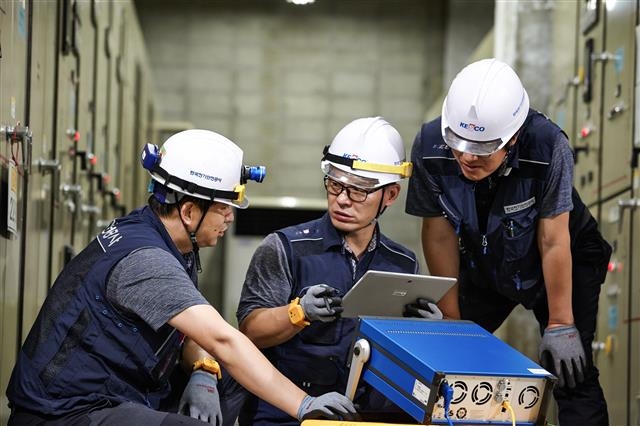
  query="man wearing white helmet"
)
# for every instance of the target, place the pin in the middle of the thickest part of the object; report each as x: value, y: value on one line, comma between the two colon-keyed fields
x: 115, y: 321
x: 291, y: 300
x: 493, y: 182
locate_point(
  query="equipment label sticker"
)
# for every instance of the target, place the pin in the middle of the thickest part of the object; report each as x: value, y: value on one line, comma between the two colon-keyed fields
x: 421, y: 392
x: 538, y: 371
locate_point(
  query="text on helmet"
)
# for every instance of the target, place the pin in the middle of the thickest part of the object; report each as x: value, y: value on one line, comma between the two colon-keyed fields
x: 355, y: 157
x: 472, y: 127
x: 205, y: 176
x: 519, y: 105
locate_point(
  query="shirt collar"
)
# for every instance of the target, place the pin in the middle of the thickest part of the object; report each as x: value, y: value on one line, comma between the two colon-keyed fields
x: 333, y: 238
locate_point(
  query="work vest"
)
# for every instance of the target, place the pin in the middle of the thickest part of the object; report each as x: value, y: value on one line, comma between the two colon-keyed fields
x: 315, y: 359
x: 505, y: 258
x: 81, y: 352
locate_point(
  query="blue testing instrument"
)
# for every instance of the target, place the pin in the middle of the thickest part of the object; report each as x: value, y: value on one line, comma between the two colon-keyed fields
x: 443, y: 372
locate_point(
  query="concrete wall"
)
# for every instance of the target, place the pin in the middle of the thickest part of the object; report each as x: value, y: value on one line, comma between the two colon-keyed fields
x: 281, y: 80
x: 468, y: 21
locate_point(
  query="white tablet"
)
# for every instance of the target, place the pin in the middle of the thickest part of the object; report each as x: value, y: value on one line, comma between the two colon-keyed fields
x: 382, y: 293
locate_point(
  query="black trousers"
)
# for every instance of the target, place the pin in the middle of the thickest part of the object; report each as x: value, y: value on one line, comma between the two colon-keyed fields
x: 128, y: 413
x: 232, y: 396
x: 585, y: 404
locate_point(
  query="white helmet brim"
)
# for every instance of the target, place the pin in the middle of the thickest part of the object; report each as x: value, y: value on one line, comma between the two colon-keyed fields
x: 243, y: 204
x: 454, y: 141
x: 476, y: 148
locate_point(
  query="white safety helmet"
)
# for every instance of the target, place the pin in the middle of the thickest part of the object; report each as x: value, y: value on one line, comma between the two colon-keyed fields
x: 199, y: 163
x: 369, y: 148
x: 485, y: 106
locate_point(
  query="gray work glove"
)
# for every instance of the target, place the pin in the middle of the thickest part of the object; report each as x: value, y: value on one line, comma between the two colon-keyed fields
x: 562, y: 353
x: 321, y: 303
x: 332, y: 406
x: 422, y: 308
x: 201, y: 399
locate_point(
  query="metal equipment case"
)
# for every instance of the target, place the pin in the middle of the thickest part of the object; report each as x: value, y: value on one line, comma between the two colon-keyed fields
x: 409, y: 359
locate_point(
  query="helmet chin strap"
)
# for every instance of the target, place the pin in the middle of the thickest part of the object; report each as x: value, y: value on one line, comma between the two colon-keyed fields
x: 192, y: 237
x: 381, y: 208
x: 502, y: 169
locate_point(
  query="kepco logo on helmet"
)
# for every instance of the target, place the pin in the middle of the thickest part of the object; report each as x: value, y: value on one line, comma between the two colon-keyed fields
x: 353, y: 157
x: 472, y: 127
x: 204, y: 176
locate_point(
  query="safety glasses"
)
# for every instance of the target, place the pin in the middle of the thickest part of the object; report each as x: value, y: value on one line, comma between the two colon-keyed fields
x: 355, y: 194
x: 480, y: 149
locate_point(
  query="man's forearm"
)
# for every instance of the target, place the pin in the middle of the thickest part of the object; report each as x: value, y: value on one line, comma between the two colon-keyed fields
x: 556, y: 265
x: 440, y: 247
x: 191, y: 352
x: 267, y: 327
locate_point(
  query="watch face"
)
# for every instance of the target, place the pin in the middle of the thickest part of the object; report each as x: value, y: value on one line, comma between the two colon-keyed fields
x: 208, y: 365
x: 296, y: 314
x: 213, y: 365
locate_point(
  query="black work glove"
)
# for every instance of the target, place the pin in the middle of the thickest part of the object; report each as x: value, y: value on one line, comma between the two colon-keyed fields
x: 562, y: 353
x: 332, y: 406
x: 321, y: 303
x: 422, y: 308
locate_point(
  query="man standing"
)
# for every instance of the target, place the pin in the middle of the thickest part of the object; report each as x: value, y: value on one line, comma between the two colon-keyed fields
x: 114, y: 323
x: 493, y: 183
x: 291, y: 300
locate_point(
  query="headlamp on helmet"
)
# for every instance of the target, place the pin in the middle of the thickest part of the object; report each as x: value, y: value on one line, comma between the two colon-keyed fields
x: 255, y: 173
x: 202, y: 164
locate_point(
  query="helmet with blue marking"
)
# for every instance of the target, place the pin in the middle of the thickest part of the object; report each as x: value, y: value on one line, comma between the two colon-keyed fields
x: 369, y: 148
x: 485, y: 107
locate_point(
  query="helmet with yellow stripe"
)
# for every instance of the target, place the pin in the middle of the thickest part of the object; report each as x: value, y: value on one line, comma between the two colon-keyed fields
x: 369, y: 148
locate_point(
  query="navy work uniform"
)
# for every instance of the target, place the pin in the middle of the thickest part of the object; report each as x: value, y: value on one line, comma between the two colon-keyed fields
x: 315, y: 359
x: 500, y: 265
x: 81, y: 355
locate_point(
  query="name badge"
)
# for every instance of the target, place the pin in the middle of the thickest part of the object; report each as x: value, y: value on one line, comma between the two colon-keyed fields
x: 514, y: 208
